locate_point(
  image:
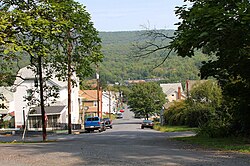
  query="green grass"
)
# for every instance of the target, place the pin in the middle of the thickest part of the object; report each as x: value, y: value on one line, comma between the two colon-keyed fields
x: 173, y: 128
x: 238, y: 144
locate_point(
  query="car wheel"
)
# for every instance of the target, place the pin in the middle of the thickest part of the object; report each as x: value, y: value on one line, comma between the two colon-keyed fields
x: 142, y: 127
x: 111, y: 127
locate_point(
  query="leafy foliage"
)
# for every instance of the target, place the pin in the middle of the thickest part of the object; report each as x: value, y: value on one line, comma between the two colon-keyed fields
x: 220, y: 28
x: 202, y: 109
x: 46, y: 28
x: 175, y: 115
x: 146, y: 99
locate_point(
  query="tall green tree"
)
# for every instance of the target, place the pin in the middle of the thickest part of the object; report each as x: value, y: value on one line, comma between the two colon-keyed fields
x: 54, y: 33
x: 220, y: 28
x: 146, y: 99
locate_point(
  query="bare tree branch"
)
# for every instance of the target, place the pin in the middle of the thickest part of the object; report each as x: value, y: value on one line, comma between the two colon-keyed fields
x: 156, y: 41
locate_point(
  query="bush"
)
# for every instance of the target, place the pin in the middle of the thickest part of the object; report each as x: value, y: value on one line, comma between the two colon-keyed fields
x: 198, y: 114
x: 175, y: 114
x: 218, y: 125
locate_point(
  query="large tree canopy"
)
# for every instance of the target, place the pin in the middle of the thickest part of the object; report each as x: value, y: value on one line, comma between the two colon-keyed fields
x: 47, y: 29
x: 146, y: 99
x: 220, y: 28
x: 53, y: 33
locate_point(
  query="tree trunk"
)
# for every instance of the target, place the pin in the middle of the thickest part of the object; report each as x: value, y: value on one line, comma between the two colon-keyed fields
x: 41, y: 97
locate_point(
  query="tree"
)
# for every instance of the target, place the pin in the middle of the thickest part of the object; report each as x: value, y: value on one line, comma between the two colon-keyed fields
x: 146, y: 99
x: 30, y: 31
x: 78, y: 44
x: 53, y: 33
x: 206, y: 92
x: 220, y: 28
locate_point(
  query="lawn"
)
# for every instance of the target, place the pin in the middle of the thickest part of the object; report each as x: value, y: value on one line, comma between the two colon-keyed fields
x: 173, y: 128
x: 238, y: 144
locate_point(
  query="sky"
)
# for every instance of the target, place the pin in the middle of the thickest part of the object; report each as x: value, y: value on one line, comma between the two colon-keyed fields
x: 129, y: 15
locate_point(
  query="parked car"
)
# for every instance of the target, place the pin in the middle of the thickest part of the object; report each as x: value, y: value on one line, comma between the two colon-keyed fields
x: 94, y: 123
x: 147, y: 124
x: 119, y: 115
x: 107, y: 122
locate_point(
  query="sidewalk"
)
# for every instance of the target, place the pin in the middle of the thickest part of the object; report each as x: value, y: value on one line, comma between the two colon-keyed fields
x: 38, y: 137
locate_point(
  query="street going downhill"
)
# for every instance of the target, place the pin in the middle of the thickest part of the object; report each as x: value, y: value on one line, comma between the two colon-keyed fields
x: 125, y: 144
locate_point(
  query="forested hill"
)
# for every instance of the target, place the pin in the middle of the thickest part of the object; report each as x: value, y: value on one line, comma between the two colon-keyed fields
x: 121, y: 64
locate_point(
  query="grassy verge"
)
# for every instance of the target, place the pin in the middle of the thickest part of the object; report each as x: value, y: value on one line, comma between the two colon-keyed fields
x: 238, y: 144
x: 173, y: 128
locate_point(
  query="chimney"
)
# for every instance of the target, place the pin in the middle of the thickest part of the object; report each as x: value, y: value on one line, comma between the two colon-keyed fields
x: 179, y: 93
x: 187, y: 87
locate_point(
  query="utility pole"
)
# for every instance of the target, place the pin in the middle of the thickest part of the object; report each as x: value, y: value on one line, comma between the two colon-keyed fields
x: 41, y: 96
x: 69, y: 84
x: 97, y: 89
x: 109, y: 105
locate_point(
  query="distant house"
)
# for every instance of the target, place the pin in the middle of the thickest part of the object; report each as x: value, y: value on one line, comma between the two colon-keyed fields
x: 134, y: 81
x: 25, y: 81
x: 88, y: 102
x: 109, y: 102
x: 174, y: 91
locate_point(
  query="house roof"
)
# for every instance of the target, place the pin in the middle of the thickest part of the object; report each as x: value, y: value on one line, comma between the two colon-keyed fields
x: 27, y: 73
x: 171, y: 87
x: 49, y: 110
x: 89, y: 95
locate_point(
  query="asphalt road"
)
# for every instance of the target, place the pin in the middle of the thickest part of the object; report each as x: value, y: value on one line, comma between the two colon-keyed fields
x: 125, y: 144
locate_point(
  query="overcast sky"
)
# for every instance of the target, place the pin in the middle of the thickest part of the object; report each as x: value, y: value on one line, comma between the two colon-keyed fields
x: 128, y: 15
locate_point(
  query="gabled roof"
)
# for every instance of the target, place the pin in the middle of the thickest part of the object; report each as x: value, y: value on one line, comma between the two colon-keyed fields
x: 49, y: 110
x: 88, y: 95
x: 28, y: 73
x: 171, y: 88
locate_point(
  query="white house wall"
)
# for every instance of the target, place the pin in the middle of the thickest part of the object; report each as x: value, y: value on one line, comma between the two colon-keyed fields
x: 21, y: 105
x: 75, y: 105
x: 105, y: 102
x: 63, y: 94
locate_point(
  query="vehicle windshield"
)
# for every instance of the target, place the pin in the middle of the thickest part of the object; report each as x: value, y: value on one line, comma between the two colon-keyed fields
x: 93, y: 119
x: 147, y: 121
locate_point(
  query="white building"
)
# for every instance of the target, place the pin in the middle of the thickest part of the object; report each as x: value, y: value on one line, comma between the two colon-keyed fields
x: 174, y: 91
x: 25, y: 81
x: 108, y: 102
